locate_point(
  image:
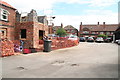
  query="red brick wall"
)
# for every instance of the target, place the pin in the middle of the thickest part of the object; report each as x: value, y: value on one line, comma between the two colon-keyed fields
x: 50, y: 30
x: 38, y: 27
x: 10, y: 24
x: 28, y: 42
x: 10, y: 33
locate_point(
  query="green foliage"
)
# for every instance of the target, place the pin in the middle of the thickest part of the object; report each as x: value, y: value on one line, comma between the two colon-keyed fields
x: 61, y: 32
x: 102, y: 35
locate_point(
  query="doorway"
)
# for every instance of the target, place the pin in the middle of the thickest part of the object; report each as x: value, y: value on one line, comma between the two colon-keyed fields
x: 41, y: 34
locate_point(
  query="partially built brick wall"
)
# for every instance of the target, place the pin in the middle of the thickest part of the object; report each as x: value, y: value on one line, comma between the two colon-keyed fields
x: 32, y: 28
x: 37, y: 27
x: 28, y: 42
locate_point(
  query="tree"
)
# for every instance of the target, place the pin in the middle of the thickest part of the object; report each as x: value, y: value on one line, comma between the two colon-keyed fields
x: 61, y: 32
x: 102, y: 35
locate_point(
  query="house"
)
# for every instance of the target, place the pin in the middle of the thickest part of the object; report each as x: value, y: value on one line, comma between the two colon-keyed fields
x: 7, y: 20
x: 30, y: 29
x: 71, y: 30
x: 50, y: 28
x: 94, y: 30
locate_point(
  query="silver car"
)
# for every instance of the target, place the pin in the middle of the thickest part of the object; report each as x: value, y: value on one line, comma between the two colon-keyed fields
x: 99, y: 39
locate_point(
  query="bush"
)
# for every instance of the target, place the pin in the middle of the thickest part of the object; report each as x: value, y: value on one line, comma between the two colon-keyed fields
x: 61, y: 32
x: 102, y: 35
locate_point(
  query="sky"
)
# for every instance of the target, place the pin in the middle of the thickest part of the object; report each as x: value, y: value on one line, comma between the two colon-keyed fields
x: 71, y: 12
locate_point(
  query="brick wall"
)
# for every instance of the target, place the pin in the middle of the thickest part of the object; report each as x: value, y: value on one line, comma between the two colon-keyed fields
x: 28, y: 42
x: 37, y: 27
x: 10, y: 33
x: 50, y: 30
x: 11, y: 16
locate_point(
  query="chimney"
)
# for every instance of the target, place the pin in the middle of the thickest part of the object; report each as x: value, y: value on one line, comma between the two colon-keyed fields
x: 52, y: 24
x: 80, y: 26
x: 81, y: 23
x: 61, y: 25
x: 98, y: 23
x: 104, y: 24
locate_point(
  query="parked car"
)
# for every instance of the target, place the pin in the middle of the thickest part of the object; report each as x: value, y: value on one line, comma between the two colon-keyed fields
x: 82, y: 39
x: 74, y: 38
x: 108, y: 39
x: 119, y: 42
x: 90, y: 39
x: 99, y: 39
x: 116, y: 41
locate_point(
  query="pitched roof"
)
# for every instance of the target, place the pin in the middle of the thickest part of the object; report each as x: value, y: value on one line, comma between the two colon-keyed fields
x: 106, y: 27
x: 69, y: 27
x: 56, y: 27
x: 6, y: 4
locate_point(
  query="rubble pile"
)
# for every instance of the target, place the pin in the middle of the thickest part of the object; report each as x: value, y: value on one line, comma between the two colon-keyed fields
x: 7, y: 48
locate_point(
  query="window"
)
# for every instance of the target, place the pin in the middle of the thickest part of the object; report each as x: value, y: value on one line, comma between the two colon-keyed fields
x: 4, y: 14
x: 101, y: 32
x: 72, y: 31
x: 3, y: 33
x: 23, y: 33
x: 107, y: 33
x: 86, y: 32
x: 93, y: 32
x: 112, y: 33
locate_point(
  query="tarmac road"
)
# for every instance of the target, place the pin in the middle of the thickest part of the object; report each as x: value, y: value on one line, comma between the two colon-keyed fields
x: 87, y: 60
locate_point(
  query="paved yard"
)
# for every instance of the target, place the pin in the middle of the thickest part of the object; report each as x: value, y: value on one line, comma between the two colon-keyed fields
x: 87, y: 60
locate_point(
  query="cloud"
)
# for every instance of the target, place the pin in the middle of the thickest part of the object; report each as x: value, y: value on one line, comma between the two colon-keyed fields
x: 91, y: 3
x: 27, y: 5
x: 99, y: 11
x: 86, y: 19
x: 103, y: 3
x: 91, y: 16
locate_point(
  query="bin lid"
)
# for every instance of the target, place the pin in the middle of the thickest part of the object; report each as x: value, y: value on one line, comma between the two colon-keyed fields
x: 48, y: 40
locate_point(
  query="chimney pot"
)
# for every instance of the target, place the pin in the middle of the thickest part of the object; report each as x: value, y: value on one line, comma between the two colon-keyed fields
x: 81, y: 23
x: 98, y: 23
x: 103, y: 23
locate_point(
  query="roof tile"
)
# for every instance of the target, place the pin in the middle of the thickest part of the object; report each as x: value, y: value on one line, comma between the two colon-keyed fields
x: 6, y: 4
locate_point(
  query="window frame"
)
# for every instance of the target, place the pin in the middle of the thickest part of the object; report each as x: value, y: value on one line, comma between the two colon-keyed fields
x: 4, y: 13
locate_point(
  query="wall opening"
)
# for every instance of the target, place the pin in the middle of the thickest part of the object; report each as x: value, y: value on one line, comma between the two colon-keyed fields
x: 23, y: 33
x: 41, y: 34
x: 3, y: 33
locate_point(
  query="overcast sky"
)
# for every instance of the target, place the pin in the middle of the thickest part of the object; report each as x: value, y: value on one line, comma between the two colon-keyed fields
x: 72, y: 12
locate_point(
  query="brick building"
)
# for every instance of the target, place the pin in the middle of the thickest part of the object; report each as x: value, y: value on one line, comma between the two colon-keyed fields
x: 30, y: 29
x: 7, y: 20
x: 95, y: 30
x: 71, y: 30
x: 50, y: 28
